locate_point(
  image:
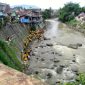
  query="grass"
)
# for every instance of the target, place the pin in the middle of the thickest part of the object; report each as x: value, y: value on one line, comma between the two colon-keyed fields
x: 8, y: 56
x: 79, y: 81
x: 73, y: 22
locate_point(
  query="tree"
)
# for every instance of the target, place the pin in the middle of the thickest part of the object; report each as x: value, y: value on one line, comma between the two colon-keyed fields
x: 83, y: 9
x: 68, y: 12
x: 47, y: 13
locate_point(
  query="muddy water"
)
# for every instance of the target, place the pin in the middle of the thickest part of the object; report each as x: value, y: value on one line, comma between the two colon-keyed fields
x: 56, y: 59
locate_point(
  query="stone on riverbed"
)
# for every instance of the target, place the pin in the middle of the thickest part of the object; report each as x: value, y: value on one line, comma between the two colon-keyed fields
x: 49, y: 44
x: 42, y: 59
x: 59, y: 69
x: 79, y: 44
x: 56, y: 61
x: 45, y: 38
x: 42, y: 46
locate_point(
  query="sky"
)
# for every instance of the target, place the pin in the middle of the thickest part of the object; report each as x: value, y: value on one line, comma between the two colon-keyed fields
x: 43, y: 4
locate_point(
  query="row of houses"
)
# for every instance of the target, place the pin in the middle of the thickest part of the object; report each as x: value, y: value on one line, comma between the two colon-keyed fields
x: 22, y: 15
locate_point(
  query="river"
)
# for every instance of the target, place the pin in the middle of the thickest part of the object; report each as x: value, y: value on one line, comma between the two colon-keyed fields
x: 60, y: 56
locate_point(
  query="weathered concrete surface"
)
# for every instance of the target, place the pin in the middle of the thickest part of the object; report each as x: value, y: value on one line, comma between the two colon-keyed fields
x: 9, y: 76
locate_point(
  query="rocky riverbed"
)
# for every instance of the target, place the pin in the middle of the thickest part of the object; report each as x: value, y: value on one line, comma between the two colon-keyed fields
x: 59, y: 56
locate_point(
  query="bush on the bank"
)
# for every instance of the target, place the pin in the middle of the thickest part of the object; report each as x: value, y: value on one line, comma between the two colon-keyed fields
x: 46, y: 14
x: 73, y: 23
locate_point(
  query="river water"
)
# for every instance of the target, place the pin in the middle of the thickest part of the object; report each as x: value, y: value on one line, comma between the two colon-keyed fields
x: 55, y: 58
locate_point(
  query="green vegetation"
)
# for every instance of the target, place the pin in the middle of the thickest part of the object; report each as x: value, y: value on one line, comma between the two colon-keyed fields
x: 8, y: 56
x: 68, y: 12
x: 46, y: 14
x: 73, y: 22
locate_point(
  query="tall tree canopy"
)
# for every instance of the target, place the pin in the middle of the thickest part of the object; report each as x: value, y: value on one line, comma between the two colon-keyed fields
x: 69, y: 11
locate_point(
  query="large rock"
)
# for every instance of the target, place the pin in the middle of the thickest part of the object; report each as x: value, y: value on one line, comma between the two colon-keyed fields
x: 59, y: 69
x: 74, y: 68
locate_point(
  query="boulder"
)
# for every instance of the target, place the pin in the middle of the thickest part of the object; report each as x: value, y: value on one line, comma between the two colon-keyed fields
x: 59, y: 69
x: 74, y: 68
x: 74, y: 46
